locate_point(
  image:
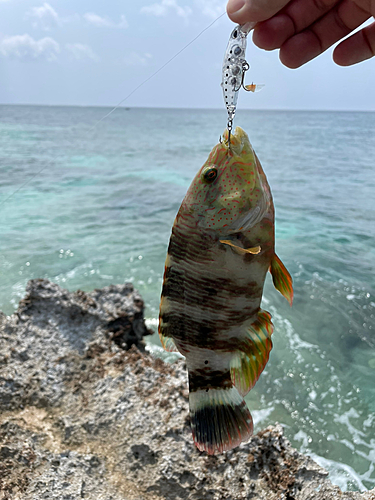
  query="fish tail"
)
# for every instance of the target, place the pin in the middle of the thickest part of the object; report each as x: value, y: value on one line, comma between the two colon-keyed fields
x: 220, y: 419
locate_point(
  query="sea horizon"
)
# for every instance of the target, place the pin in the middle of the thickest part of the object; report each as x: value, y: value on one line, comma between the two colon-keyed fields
x: 243, y: 108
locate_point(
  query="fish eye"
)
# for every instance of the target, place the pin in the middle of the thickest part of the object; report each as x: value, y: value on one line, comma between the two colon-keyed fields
x: 209, y: 175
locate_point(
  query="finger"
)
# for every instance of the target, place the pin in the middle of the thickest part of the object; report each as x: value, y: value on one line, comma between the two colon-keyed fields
x: 295, y: 17
x: 243, y: 11
x: 271, y: 34
x: 357, y: 48
x: 336, y: 24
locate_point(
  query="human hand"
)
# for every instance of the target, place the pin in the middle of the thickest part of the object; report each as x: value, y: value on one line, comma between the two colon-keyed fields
x: 303, y: 29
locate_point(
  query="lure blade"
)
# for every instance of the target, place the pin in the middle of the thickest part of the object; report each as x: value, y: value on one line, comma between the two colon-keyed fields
x: 254, y: 88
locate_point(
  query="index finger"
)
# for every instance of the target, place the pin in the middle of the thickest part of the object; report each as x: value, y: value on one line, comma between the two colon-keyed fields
x: 243, y: 11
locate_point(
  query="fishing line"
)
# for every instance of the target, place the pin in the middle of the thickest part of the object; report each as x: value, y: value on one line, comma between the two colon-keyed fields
x: 117, y: 105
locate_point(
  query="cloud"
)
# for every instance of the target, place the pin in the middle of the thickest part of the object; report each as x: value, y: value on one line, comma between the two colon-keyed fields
x: 165, y: 6
x: 135, y: 59
x: 104, y: 22
x: 44, y: 17
x: 123, y: 22
x: 100, y: 22
x: 80, y: 51
x: 211, y: 8
x: 25, y: 47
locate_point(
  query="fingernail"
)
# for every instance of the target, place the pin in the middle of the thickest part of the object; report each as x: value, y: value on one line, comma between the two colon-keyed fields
x: 235, y: 5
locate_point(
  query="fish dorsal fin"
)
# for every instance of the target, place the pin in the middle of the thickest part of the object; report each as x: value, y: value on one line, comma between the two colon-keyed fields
x: 240, y: 250
x: 281, y: 278
x: 249, y: 362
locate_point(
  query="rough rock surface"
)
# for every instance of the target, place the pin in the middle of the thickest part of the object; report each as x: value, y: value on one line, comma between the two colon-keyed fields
x: 86, y: 413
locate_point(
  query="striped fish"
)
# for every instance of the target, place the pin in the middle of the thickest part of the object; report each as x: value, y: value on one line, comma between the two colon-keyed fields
x: 221, y: 247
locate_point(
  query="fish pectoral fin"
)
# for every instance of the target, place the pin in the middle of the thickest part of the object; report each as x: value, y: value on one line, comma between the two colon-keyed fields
x: 240, y: 250
x: 249, y: 362
x: 281, y: 278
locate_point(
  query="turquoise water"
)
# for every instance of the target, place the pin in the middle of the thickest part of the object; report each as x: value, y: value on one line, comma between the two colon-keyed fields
x: 101, y: 211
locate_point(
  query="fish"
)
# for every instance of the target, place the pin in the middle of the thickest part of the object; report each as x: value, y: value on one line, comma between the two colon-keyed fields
x: 221, y: 247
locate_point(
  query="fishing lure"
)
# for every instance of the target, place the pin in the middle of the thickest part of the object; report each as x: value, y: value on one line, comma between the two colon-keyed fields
x: 234, y: 69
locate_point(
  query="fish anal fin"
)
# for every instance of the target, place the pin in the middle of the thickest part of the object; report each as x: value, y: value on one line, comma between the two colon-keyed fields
x: 249, y: 362
x: 281, y: 278
x: 240, y: 250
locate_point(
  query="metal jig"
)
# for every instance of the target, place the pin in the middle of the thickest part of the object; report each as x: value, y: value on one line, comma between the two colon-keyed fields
x: 234, y: 69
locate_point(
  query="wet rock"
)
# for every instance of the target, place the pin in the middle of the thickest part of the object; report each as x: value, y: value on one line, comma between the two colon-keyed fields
x: 86, y: 413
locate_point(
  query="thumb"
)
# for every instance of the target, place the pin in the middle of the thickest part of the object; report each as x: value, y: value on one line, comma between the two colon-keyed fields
x: 243, y: 11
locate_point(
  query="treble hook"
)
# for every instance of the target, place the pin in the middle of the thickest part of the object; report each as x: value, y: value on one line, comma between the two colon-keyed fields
x: 245, y: 67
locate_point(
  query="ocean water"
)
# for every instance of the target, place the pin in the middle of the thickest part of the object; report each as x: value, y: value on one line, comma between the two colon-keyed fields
x: 101, y: 211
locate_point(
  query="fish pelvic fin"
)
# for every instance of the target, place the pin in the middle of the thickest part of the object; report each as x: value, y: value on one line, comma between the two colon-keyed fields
x: 249, y: 362
x: 281, y: 278
x: 167, y: 343
x: 220, y: 419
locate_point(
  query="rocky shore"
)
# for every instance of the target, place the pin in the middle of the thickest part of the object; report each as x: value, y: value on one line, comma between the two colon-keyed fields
x: 86, y: 413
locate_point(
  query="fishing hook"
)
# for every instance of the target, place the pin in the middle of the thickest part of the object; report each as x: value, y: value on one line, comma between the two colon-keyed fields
x: 245, y: 67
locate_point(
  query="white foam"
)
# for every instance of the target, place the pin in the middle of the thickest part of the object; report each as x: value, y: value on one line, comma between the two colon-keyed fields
x: 313, y: 395
x: 344, y: 419
x: 158, y: 352
x: 259, y: 416
x: 340, y: 474
x: 150, y: 322
x: 302, y: 436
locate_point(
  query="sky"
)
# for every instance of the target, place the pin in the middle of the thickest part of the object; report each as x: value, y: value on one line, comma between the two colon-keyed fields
x: 94, y: 53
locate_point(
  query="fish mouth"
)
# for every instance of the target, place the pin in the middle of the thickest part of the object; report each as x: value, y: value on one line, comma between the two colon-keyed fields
x: 239, y: 141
